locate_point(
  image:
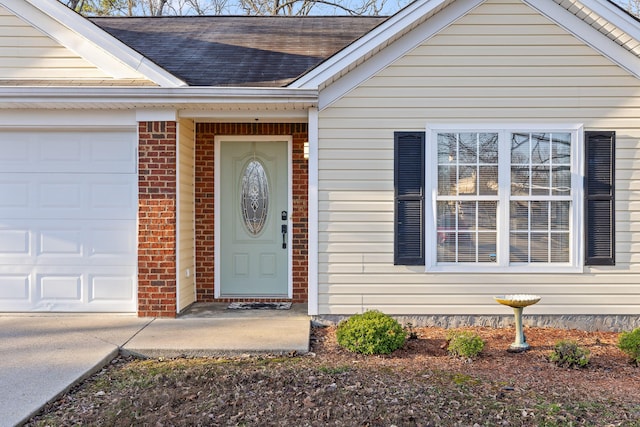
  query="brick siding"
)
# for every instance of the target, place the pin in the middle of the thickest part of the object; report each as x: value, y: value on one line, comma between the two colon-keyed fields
x: 157, y: 219
x: 205, y: 198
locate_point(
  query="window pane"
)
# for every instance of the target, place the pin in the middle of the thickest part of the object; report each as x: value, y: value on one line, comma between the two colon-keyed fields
x: 467, y: 180
x: 520, y: 148
x: 466, y: 247
x: 560, y: 247
x: 488, y: 151
x: 487, y: 247
x: 561, y: 148
x: 488, y: 180
x: 560, y: 215
x: 447, y: 147
x: 468, y: 148
x: 540, y: 148
x: 539, y: 247
x: 539, y: 215
x: 467, y: 216
x: 446, y: 215
x: 540, y: 176
x: 519, y: 247
x: 446, y: 180
x: 520, y: 180
x: 561, y: 181
x: 487, y: 218
x: 519, y: 215
x: 446, y: 247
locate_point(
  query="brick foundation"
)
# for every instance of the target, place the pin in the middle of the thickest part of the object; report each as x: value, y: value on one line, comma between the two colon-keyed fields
x: 205, y: 198
x: 157, y: 219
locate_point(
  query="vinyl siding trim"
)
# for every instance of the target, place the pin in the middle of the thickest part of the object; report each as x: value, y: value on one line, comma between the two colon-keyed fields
x: 186, y: 270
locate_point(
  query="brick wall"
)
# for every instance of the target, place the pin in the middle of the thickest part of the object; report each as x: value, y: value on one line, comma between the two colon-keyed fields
x: 204, y: 194
x: 157, y: 219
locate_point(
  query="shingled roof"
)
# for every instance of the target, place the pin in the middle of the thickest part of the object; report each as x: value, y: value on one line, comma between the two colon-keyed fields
x: 237, y: 50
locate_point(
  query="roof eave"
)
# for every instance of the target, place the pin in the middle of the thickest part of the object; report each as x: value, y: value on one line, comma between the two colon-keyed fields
x: 150, y: 97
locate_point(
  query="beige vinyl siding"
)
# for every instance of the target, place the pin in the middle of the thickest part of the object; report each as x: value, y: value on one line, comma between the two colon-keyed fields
x: 186, y: 242
x: 28, y: 54
x: 502, y: 63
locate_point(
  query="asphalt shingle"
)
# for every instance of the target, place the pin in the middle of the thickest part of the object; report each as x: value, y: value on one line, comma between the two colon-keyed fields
x: 250, y: 51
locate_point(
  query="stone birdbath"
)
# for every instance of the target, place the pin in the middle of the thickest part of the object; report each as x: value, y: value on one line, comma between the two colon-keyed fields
x: 518, y: 302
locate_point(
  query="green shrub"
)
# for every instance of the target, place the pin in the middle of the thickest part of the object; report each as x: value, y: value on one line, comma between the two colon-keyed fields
x: 465, y: 344
x: 569, y: 354
x: 371, y: 332
x: 629, y: 342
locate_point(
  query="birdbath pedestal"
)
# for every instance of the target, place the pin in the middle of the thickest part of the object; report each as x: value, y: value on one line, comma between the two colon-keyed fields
x: 518, y: 303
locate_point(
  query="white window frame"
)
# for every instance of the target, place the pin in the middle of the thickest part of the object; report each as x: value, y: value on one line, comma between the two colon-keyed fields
x: 576, y: 241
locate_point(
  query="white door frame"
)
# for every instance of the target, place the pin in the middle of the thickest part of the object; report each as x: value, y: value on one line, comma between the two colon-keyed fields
x: 217, y: 241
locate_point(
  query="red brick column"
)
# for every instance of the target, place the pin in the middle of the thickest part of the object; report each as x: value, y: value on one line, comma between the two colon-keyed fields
x: 205, y: 198
x: 157, y: 219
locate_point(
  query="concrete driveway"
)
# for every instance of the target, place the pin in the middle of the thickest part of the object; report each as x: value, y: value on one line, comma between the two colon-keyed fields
x: 42, y: 356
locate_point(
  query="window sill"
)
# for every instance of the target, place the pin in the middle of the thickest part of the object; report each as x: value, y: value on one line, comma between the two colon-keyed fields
x: 511, y: 269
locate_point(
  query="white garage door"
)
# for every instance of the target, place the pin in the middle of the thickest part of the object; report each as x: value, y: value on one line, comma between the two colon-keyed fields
x: 68, y: 209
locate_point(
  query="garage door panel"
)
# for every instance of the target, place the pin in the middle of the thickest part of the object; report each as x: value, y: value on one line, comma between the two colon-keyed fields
x: 68, y: 242
x: 61, y: 288
x: 52, y: 289
x: 14, y: 287
x: 14, y: 242
x: 46, y: 196
x: 63, y: 152
x: 59, y: 242
x: 111, y: 288
x: 113, y: 241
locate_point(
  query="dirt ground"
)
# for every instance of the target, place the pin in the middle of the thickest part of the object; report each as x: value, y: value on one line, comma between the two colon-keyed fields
x: 418, y: 385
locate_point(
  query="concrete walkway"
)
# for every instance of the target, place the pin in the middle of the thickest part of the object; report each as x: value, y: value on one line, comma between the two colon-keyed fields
x: 42, y: 356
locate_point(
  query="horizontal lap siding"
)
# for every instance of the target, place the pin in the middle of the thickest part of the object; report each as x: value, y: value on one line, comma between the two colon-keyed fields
x: 502, y: 63
x: 28, y: 54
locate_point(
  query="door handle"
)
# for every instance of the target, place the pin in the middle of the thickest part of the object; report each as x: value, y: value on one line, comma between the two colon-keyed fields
x: 284, y: 236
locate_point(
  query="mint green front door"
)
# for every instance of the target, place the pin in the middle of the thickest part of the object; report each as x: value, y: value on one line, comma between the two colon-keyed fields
x: 254, y: 219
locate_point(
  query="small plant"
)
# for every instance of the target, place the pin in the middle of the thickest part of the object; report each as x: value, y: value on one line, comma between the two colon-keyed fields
x: 465, y: 344
x: 629, y: 343
x: 411, y: 333
x: 569, y: 354
x: 371, y: 332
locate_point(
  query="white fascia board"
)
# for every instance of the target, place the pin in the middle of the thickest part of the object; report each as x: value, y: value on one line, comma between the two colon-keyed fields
x: 89, y: 41
x: 589, y: 35
x: 393, y: 52
x: 250, y: 115
x: 155, y: 95
x: 156, y: 115
x: 376, y: 37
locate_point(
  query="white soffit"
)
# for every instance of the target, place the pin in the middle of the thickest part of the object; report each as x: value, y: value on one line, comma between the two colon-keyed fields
x: 89, y: 41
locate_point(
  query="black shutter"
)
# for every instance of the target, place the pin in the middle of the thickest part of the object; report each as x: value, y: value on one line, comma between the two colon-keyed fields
x: 599, y: 193
x: 409, y: 198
